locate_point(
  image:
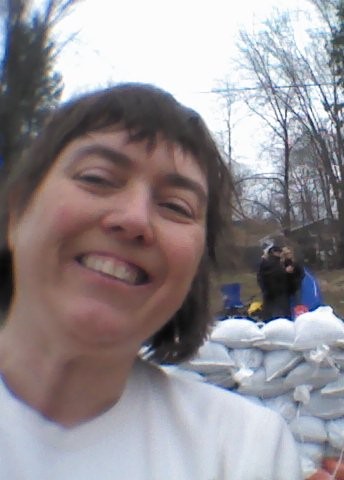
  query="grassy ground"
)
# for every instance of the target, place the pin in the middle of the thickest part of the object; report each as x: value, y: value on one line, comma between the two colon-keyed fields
x: 331, y: 283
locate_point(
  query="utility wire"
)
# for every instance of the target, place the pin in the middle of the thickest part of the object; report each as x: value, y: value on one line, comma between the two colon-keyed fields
x: 244, y: 89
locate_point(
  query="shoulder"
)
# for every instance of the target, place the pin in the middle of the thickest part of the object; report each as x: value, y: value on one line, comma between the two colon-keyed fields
x: 200, y: 396
x: 222, y: 426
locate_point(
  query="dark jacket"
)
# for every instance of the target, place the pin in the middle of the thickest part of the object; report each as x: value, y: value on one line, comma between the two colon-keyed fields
x: 272, y: 277
x: 274, y: 283
x: 294, y: 278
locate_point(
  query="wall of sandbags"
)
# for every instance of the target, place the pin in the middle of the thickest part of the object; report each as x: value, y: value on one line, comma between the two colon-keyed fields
x: 295, y: 368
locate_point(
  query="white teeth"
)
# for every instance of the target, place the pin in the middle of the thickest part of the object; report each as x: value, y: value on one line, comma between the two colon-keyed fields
x: 110, y: 267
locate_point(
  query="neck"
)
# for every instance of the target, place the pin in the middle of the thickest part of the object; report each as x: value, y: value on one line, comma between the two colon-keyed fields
x: 66, y: 385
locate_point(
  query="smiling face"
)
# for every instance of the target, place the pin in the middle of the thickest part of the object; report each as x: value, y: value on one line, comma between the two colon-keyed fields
x: 108, y: 247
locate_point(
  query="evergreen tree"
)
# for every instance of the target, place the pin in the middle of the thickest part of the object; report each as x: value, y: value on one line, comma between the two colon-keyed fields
x: 29, y: 85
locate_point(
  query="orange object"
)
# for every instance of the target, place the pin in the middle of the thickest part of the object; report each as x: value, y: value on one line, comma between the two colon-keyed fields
x: 299, y: 309
x: 320, y: 475
x: 332, y: 465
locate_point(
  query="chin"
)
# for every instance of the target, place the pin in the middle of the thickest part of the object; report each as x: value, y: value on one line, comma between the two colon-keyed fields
x: 97, y: 324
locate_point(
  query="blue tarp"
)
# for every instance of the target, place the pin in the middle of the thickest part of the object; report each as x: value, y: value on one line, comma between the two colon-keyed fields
x: 310, y: 294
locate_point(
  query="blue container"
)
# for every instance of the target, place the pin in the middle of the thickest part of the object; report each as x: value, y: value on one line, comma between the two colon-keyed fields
x: 231, y: 295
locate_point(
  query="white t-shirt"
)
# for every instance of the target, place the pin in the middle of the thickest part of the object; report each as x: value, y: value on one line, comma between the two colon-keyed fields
x: 162, y: 428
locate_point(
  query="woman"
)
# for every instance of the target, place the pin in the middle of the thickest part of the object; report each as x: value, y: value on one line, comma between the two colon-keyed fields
x: 110, y: 225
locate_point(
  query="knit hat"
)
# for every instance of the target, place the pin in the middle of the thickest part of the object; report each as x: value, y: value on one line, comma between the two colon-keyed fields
x: 274, y: 249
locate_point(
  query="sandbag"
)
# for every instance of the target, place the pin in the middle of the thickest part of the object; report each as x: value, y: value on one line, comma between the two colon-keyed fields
x: 277, y: 334
x: 308, y: 429
x: 323, y: 407
x: 284, y: 405
x: 319, y: 327
x: 211, y: 357
x: 236, y: 333
x: 280, y: 362
x: 256, y: 384
x: 311, y: 375
x: 294, y: 368
x: 334, y: 389
x: 251, y: 358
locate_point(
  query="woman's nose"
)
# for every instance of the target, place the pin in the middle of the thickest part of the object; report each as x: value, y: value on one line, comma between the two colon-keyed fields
x: 130, y: 215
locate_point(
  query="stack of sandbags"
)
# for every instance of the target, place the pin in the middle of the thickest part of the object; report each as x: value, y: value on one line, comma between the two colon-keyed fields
x: 295, y: 368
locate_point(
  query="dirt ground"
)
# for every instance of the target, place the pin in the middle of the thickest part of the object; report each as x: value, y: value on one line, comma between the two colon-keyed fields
x: 331, y: 284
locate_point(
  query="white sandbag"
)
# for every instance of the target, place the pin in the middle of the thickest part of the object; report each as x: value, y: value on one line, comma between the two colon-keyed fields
x: 314, y: 451
x: 251, y: 358
x: 335, y: 431
x: 221, y: 379
x: 240, y: 375
x: 302, y: 394
x: 308, y: 429
x: 236, y: 333
x: 320, y: 406
x: 319, y: 327
x: 246, y: 362
x: 337, y: 354
x: 332, y: 452
x: 211, y: 357
x: 311, y: 375
x: 321, y: 355
x: 284, y: 405
x: 256, y: 384
x: 308, y: 467
x: 279, y: 362
x: 277, y: 334
x: 213, y: 352
x: 311, y: 455
x: 334, y: 389
x: 257, y: 378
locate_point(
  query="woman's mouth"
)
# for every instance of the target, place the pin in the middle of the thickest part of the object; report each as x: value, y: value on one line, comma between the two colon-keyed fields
x: 114, y: 268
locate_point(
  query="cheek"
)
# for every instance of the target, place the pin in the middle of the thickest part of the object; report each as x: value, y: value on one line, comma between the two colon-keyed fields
x: 63, y: 220
x: 42, y: 227
x: 185, y: 254
x: 60, y: 209
x: 66, y: 219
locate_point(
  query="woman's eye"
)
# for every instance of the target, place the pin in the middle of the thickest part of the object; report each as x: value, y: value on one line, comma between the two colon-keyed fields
x: 95, y: 179
x: 178, y: 208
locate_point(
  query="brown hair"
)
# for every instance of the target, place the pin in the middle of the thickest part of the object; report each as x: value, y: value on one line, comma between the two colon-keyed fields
x: 144, y: 111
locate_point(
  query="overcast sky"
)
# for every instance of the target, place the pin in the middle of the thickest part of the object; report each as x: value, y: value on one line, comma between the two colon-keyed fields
x: 183, y: 46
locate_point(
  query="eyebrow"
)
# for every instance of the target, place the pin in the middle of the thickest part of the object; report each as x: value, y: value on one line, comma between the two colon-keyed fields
x: 114, y: 156
x: 186, y: 183
x: 124, y: 161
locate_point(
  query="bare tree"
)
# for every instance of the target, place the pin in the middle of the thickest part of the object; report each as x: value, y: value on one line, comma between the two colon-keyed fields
x: 271, y: 104
x: 319, y: 109
x: 294, y: 90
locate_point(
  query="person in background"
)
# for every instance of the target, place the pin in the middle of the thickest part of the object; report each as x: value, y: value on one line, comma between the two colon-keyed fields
x: 110, y: 226
x: 272, y: 278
